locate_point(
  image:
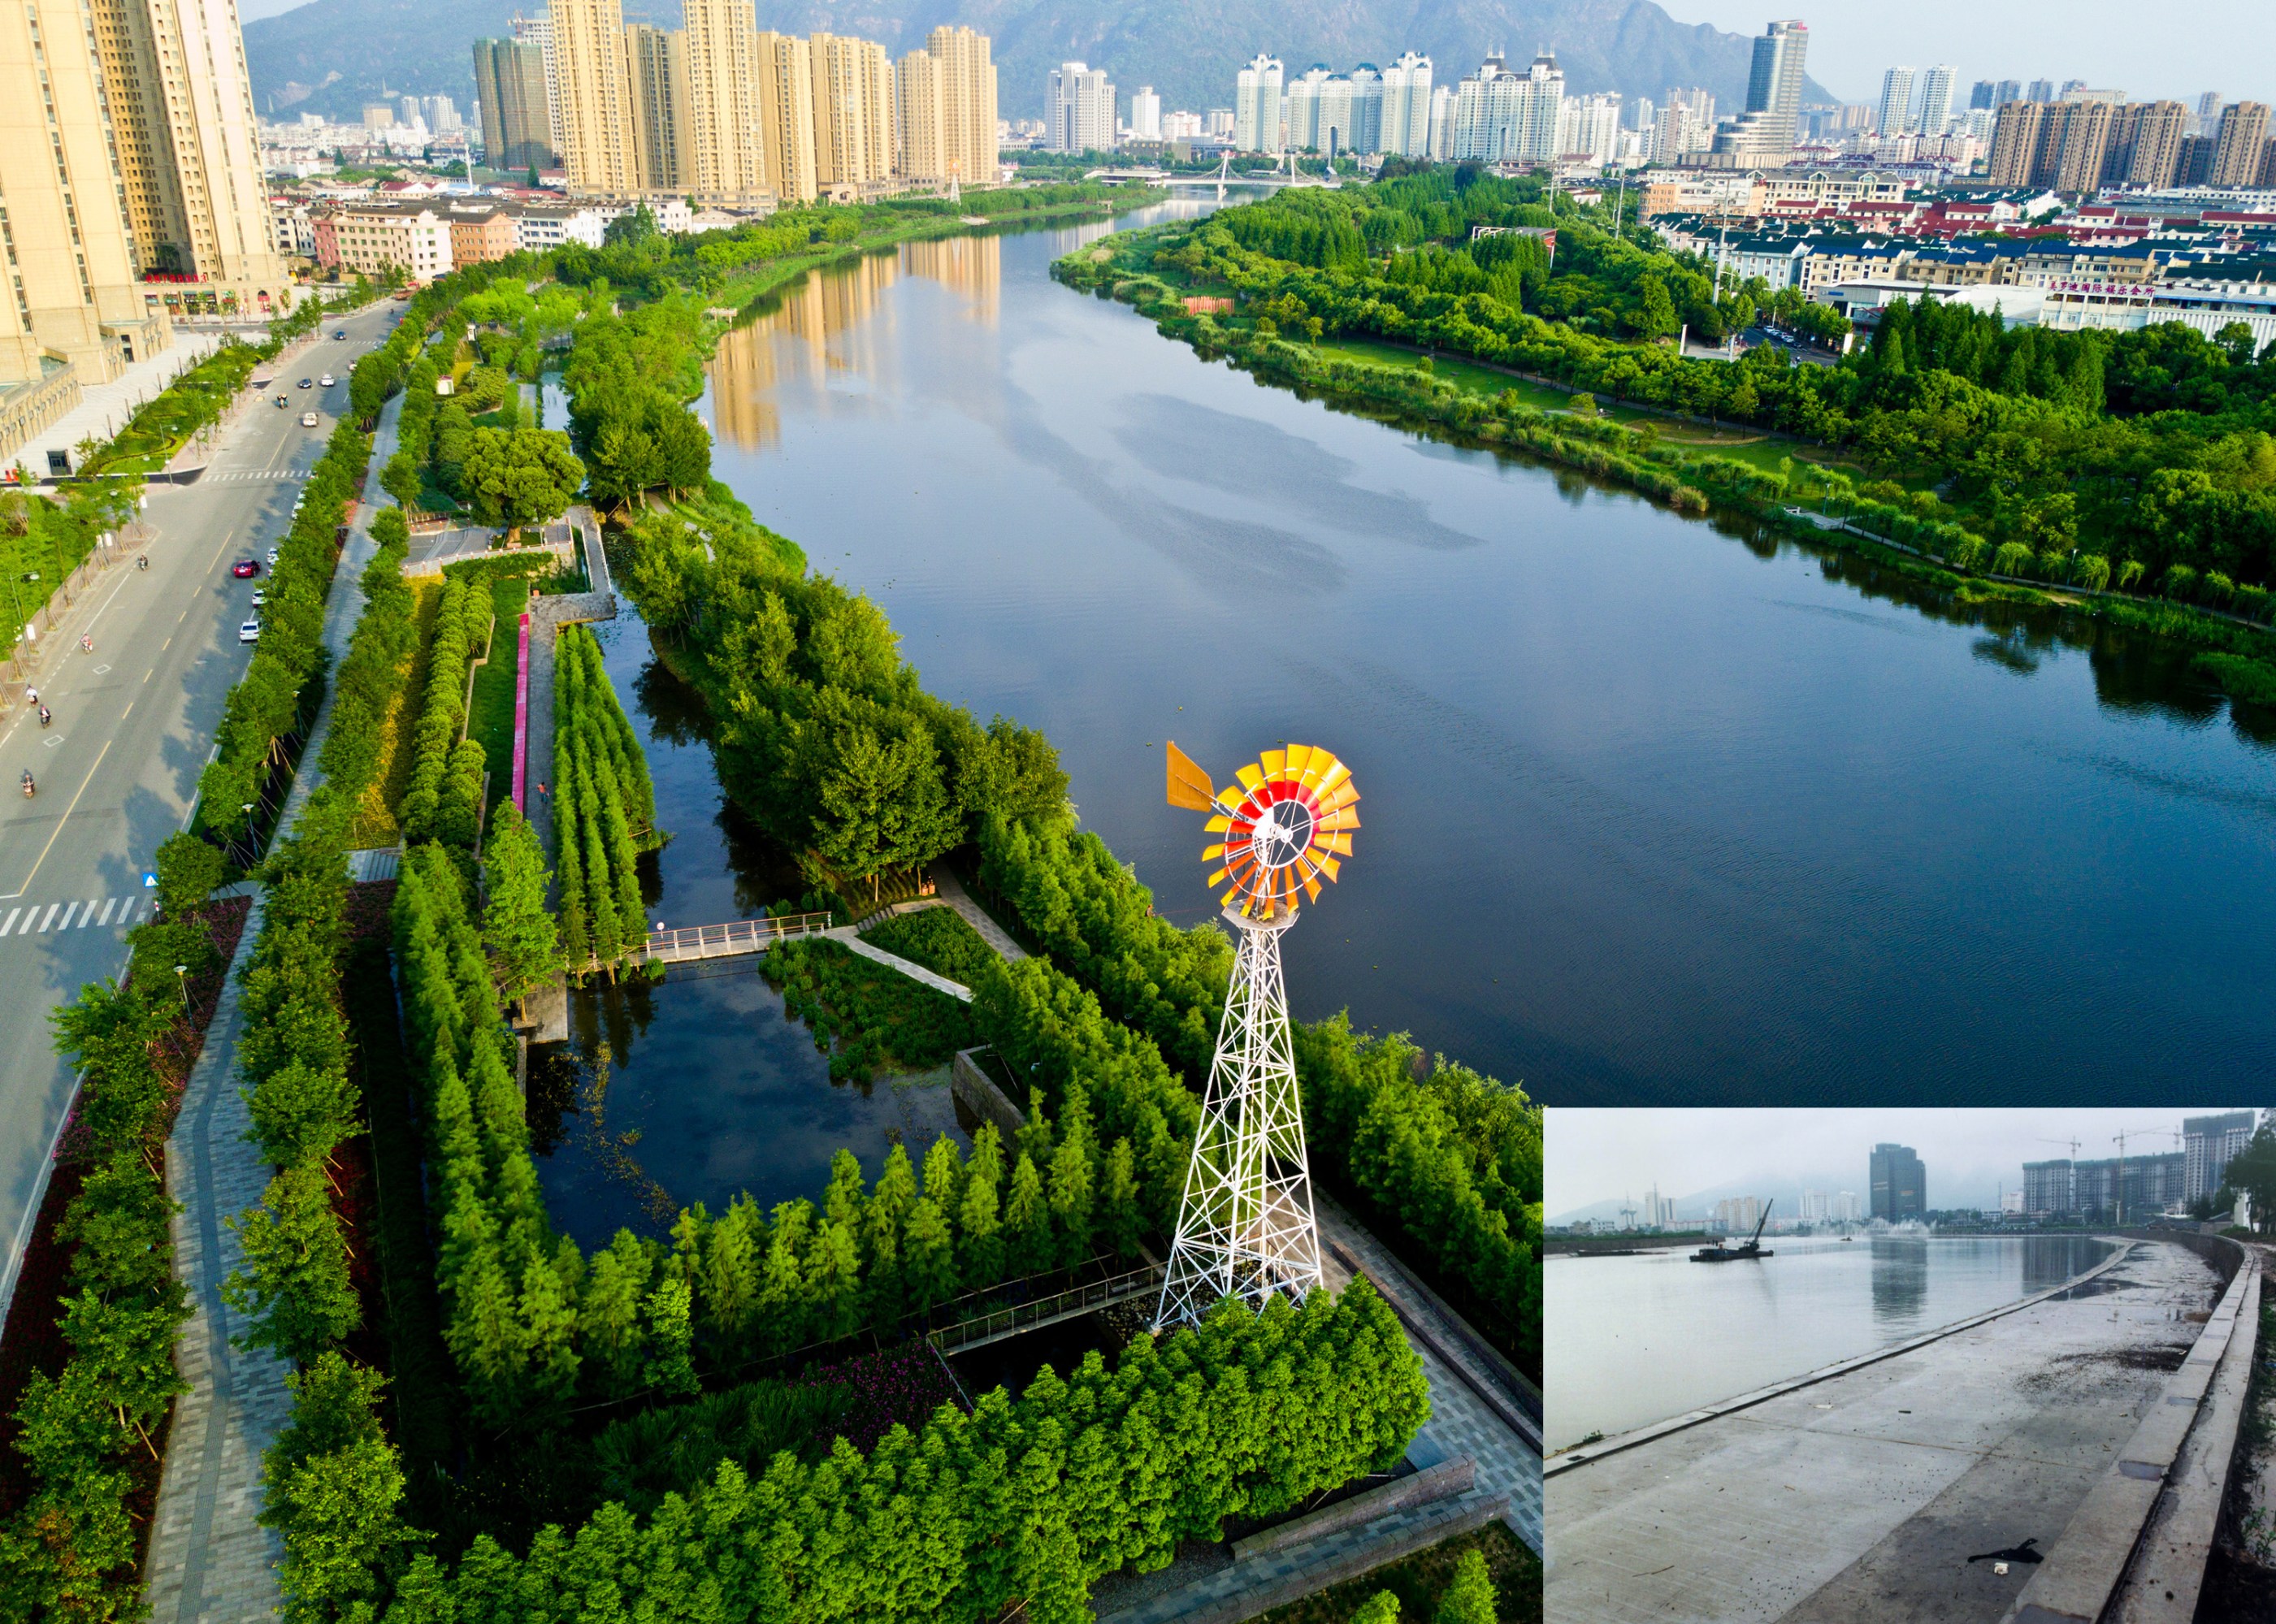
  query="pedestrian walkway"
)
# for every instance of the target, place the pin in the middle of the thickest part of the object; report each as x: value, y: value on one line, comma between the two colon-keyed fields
x: 251, y: 476
x: 211, y: 1562
x: 104, y: 409
x: 951, y: 891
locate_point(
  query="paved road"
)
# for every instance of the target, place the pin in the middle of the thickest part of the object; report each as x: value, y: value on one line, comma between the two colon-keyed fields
x: 133, y: 727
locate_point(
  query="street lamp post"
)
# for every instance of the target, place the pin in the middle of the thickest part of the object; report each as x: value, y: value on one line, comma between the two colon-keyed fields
x: 182, y: 979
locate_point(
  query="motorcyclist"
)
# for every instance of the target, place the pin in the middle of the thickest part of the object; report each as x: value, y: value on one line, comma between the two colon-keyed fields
x: 28, y: 781
x: 87, y: 643
x: 44, y: 717
x: 142, y: 562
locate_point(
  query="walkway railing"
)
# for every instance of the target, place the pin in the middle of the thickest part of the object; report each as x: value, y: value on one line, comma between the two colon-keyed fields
x: 997, y: 1323
x: 740, y: 936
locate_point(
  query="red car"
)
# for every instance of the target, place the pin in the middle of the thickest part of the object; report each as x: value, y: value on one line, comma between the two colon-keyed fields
x: 245, y: 568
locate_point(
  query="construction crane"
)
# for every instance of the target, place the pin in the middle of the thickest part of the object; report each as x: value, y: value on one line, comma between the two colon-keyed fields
x: 1752, y: 1248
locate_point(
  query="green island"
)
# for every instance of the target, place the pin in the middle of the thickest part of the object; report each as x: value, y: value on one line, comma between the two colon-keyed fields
x: 744, y: 1419
x: 2130, y: 474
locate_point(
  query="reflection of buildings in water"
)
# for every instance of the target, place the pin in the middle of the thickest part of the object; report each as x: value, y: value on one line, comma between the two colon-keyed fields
x: 972, y: 266
x: 742, y: 372
x: 1900, y: 1280
x: 2049, y: 1260
x: 819, y: 324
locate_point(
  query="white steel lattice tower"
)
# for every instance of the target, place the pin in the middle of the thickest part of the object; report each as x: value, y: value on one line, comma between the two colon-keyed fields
x: 1246, y: 1226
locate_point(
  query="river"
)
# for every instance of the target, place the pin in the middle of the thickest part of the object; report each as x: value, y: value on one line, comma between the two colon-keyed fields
x: 1641, y: 1338
x: 1655, y: 810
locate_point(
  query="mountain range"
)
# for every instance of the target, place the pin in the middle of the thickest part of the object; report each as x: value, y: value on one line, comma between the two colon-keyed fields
x: 331, y: 57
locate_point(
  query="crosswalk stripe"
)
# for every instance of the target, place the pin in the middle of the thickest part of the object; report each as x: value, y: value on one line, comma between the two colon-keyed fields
x: 37, y: 918
x: 11, y: 925
x: 109, y: 903
x: 53, y: 909
x: 88, y: 918
x: 68, y: 912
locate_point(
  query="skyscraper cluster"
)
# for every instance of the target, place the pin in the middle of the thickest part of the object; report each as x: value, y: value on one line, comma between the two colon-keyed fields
x: 1369, y: 110
x: 723, y: 112
x: 130, y: 182
x: 1774, y: 93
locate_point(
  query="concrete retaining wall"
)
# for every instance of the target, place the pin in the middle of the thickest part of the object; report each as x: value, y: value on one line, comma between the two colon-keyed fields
x: 978, y: 1090
x: 2225, y: 1255
x: 1442, y: 1481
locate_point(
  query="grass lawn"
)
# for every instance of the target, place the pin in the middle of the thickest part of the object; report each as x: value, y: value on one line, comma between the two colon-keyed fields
x: 489, y: 720
x: 1420, y: 1580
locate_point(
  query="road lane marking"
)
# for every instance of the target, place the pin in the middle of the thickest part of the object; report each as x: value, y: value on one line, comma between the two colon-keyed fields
x: 50, y: 919
x: 109, y: 903
x: 60, y: 821
x: 88, y: 918
x: 11, y: 925
x: 67, y: 917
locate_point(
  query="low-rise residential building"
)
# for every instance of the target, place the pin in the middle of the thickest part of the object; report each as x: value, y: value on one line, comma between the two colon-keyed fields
x: 540, y: 226
x: 296, y: 228
x: 482, y: 232
x: 371, y: 237
x: 2129, y: 306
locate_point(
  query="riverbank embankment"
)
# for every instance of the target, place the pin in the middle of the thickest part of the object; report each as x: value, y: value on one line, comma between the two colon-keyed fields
x: 1864, y: 1497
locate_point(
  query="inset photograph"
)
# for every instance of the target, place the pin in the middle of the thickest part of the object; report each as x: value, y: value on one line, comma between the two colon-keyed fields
x: 1853, y: 1365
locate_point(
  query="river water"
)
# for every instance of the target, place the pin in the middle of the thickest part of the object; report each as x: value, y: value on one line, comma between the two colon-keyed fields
x: 1641, y: 1338
x: 1655, y: 810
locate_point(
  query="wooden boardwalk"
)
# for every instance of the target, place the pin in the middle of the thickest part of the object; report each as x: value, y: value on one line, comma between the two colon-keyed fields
x: 737, y: 937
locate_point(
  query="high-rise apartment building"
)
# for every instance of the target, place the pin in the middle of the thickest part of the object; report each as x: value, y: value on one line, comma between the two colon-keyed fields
x: 921, y: 108
x: 1406, y: 105
x: 725, y: 159
x: 1899, y: 1183
x: 538, y: 30
x: 1896, y: 110
x: 1935, y: 100
x: 597, y: 138
x: 510, y: 83
x: 786, y: 115
x: 180, y: 106
x: 1256, y: 106
x: 968, y: 79
x: 1498, y: 114
x: 1077, y: 108
x: 2015, y: 141
x: 72, y: 261
x: 1983, y: 98
x: 2007, y: 90
x: 657, y: 83
x: 2207, y: 113
x: 852, y: 110
x: 2145, y: 144
x: 2074, y: 146
x: 1146, y: 114
x: 2237, y: 143
x: 2041, y: 90
x: 2048, y: 1188
x: 2208, y: 1144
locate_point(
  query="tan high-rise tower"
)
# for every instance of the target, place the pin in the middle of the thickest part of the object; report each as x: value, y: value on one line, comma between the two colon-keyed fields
x: 920, y: 112
x: 189, y: 149
x: 852, y: 110
x: 968, y: 90
x: 726, y: 129
x: 786, y: 115
x: 597, y: 135
x: 71, y: 262
x: 656, y: 75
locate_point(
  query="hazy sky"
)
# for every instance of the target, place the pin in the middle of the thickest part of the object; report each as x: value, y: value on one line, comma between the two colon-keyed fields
x: 2223, y: 45
x: 1593, y: 1156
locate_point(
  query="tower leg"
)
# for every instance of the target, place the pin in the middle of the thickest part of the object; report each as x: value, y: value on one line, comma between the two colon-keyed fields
x: 1245, y: 1224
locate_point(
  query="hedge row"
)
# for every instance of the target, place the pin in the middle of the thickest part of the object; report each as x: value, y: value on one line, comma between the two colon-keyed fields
x: 603, y: 808
x: 444, y: 800
x: 1012, y: 1510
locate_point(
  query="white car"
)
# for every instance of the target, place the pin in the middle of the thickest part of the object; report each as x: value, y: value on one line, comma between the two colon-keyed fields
x: 325, y: 382
x: 260, y: 597
x: 307, y: 419
x: 272, y: 558
x: 249, y: 633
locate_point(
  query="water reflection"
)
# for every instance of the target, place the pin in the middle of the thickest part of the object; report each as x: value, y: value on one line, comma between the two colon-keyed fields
x: 1900, y: 1281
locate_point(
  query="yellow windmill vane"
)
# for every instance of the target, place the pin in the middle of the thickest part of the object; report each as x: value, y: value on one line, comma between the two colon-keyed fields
x: 1287, y: 824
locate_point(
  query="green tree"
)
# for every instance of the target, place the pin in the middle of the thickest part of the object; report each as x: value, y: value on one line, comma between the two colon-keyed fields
x: 1380, y: 1608
x: 188, y: 870
x: 1656, y: 316
x: 670, y: 1338
x: 881, y: 805
x: 524, y: 945
x: 978, y: 1217
x: 294, y: 1285
x: 520, y: 476
x: 1469, y: 1599
x: 1121, y: 1223
x: 1028, y: 1240
x: 930, y: 1265
x: 333, y: 1486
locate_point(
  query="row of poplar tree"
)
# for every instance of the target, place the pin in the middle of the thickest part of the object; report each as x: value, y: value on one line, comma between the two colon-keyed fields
x: 444, y: 799
x: 603, y: 809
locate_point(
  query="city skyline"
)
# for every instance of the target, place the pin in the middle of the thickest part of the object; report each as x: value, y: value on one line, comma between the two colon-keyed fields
x: 1853, y: 44
x: 1600, y: 1155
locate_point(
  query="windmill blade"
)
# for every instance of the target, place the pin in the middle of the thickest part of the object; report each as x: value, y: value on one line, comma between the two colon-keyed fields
x: 1189, y: 786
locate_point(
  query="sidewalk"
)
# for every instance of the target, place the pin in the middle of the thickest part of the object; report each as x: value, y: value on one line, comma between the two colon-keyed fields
x: 210, y: 1562
x: 103, y: 408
